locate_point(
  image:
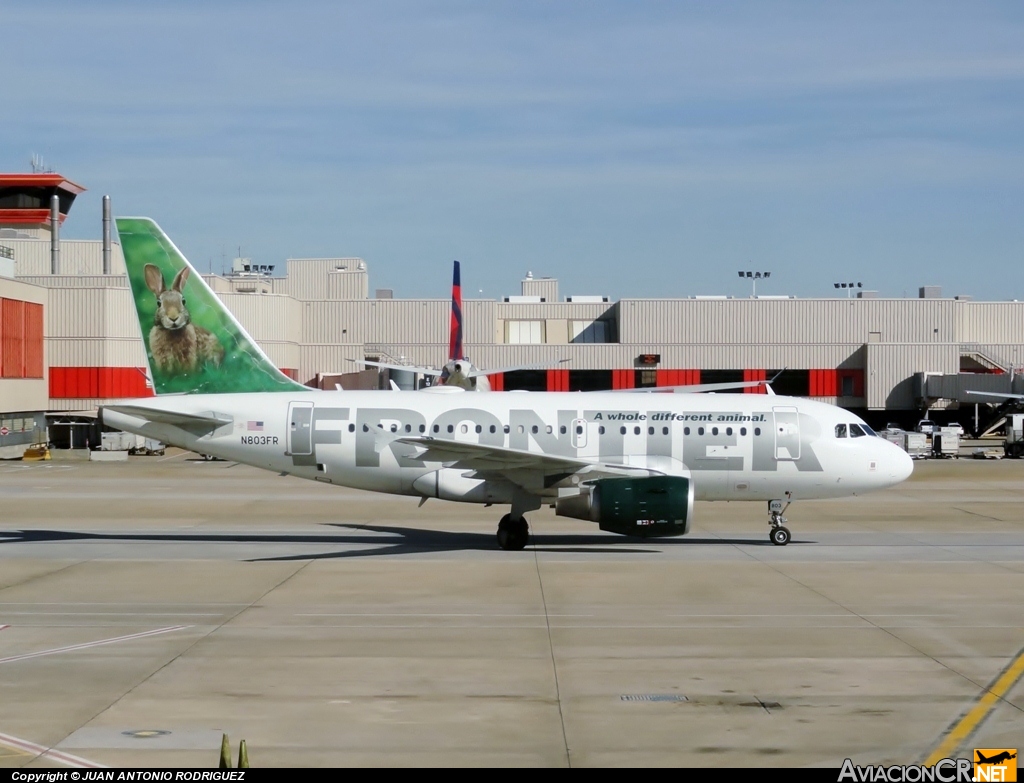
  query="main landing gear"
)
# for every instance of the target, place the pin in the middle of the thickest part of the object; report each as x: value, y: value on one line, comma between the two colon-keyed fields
x: 513, y: 532
x: 779, y: 533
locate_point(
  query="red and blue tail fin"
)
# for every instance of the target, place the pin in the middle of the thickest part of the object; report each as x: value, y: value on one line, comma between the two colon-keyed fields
x: 455, y: 336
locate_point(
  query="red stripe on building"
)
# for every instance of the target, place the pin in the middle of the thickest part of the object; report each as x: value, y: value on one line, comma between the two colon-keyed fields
x: 12, y: 316
x: 69, y: 383
x: 755, y: 375
x: 34, y: 365
x: 623, y: 379
x: 497, y: 381
x: 557, y: 380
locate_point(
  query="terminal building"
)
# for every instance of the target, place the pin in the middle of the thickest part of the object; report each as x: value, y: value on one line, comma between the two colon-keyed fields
x: 71, y: 340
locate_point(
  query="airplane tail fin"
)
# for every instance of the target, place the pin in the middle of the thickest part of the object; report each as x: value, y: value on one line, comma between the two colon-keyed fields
x: 455, y: 336
x: 193, y: 342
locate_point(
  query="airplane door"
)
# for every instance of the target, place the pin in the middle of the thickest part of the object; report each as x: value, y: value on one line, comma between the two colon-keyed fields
x: 579, y: 433
x: 300, y: 428
x: 787, y: 433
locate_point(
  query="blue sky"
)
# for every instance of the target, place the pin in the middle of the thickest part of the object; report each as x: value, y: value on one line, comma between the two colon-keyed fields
x: 629, y: 149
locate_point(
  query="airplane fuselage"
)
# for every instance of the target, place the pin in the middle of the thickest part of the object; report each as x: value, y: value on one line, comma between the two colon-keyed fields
x: 732, y: 446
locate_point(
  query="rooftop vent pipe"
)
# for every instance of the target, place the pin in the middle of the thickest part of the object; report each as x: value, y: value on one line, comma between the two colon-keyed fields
x: 54, y: 234
x: 106, y: 235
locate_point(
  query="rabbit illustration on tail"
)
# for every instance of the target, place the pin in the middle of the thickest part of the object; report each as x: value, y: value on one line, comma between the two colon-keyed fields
x: 178, y: 345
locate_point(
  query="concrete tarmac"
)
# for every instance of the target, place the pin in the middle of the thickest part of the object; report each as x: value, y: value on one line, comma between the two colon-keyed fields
x: 151, y: 606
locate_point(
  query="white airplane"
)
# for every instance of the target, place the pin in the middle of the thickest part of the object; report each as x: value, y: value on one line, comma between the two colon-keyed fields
x: 458, y: 370
x: 631, y: 463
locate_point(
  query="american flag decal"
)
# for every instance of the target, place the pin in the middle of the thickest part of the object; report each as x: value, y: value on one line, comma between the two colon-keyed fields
x: 255, y: 426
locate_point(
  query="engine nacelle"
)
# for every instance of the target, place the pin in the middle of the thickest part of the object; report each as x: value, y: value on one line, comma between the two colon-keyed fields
x: 645, y: 507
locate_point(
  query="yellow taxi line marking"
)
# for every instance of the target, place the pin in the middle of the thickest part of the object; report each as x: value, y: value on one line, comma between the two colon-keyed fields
x: 981, y: 709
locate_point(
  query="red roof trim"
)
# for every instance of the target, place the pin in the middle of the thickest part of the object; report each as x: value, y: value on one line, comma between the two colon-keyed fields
x: 27, y: 217
x: 40, y: 181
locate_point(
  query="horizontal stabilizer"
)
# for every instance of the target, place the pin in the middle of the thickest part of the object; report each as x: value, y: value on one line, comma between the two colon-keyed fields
x: 209, y: 421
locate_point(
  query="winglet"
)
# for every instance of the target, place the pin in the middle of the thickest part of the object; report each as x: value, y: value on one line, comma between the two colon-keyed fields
x: 193, y: 342
x: 768, y: 384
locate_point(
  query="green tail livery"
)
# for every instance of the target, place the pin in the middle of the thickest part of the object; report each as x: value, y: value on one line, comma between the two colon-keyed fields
x: 193, y: 343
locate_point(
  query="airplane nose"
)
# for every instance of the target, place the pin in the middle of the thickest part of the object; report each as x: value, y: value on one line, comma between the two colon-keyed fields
x: 900, y: 464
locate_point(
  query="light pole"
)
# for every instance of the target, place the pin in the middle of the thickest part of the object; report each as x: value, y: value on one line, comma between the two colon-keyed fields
x: 754, y: 277
x: 849, y: 287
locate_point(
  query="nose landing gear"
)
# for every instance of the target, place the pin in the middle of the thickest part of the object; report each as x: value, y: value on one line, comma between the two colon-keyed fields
x: 779, y: 533
x: 513, y: 533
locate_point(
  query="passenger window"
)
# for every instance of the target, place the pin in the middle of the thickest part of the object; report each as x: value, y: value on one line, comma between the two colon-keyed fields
x: 437, y: 428
x: 686, y: 430
x: 636, y: 430
x: 856, y: 431
x: 365, y: 428
x: 394, y: 428
x: 757, y: 430
x: 479, y: 429
x: 451, y: 428
x: 464, y: 428
x: 600, y: 430
x: 522, y: 429
x: 714, y: 430
x: 664, y: 430
x: 579, y: 429
x: 493, y: 428
x: 561, y: 430
x: 622, y: 430
x: 700, y: 430
x: 351, y: 427
x: 408, y: 428
x: 505, y: 429
x: 423, y: 428
x: 548, y: 429
x: 840, y: 430
x: 743, y: 430
x: 728, y: 430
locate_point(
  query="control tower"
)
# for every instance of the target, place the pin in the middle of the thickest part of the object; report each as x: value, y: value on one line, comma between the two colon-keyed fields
x: 25, y: 203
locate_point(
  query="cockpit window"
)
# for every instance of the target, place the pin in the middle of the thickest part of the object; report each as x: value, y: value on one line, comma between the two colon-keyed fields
x: 840, y: 430
x: 869, y: 431
x: 856, y: 431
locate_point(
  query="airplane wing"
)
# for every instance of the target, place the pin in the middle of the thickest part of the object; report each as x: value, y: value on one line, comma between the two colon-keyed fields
x: 711, y: 387
x: 203, y: 422
x: 526, y: 468
x: 406, y: 367
x: 997, y: 394
x: 695, y: 388
x: 538, y: 366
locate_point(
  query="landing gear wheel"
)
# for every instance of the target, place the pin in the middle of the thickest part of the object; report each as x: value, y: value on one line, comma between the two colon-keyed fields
x: 513, y: 533
x: 779, y: 536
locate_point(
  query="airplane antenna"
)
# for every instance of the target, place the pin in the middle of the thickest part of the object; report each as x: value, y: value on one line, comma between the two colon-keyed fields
x: 38, y: 166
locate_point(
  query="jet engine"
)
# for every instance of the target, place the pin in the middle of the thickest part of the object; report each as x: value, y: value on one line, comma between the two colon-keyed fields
x: 645, y: 507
